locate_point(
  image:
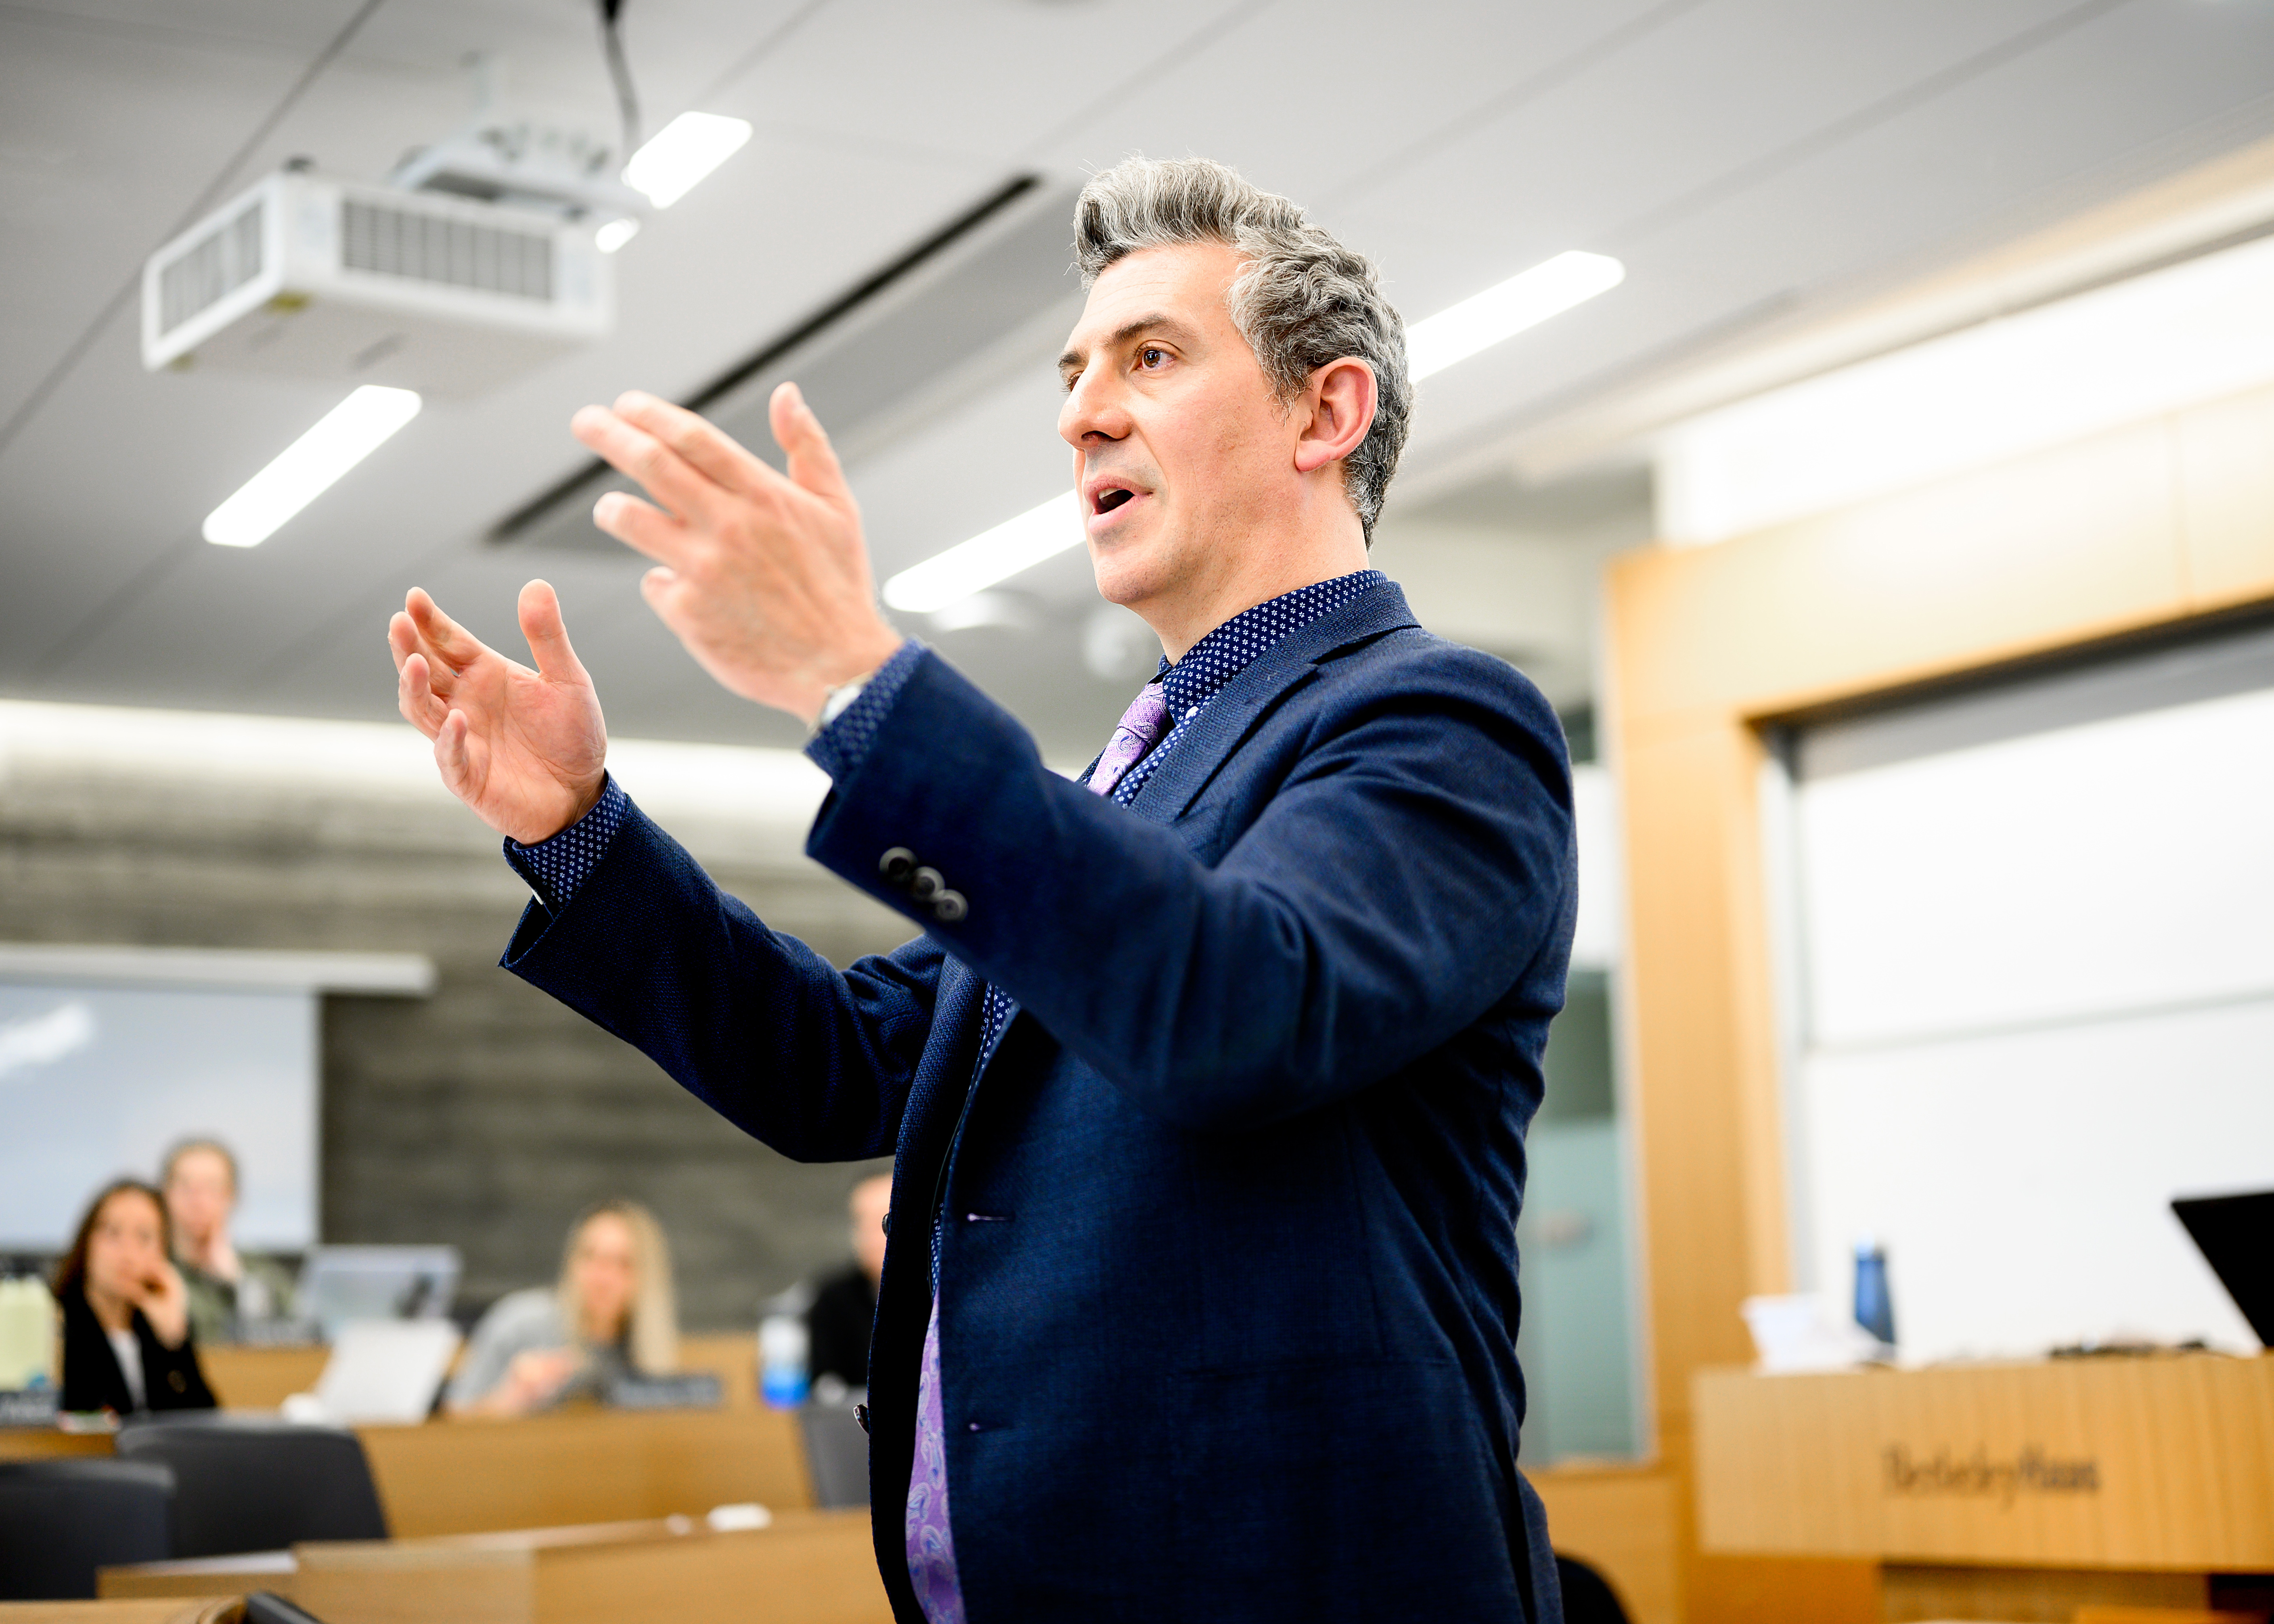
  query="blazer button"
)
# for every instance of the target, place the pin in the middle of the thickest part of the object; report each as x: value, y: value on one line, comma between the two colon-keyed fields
x: 926, y: 884
x: 949, y: 907
x: 897, y: 865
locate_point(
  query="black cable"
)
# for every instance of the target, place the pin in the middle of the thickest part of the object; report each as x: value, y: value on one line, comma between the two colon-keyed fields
x: 620, y: 73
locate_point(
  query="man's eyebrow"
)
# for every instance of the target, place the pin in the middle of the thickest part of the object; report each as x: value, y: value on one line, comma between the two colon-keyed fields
x: 1071, y: 359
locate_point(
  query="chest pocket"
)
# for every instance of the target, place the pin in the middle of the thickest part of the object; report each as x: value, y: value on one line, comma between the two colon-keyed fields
x: 1206, y: 830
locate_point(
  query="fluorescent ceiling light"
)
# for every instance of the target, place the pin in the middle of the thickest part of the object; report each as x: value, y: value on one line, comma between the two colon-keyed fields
x: 682, y: 153
x: 350, y: 431
x: 1547, y: 289
x: 2131, y: 351
x: 990, y: 556
x: 615, y: 234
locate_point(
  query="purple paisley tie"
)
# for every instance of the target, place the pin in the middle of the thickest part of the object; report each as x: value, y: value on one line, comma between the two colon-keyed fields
x: 1143, y: 725
x: 931, y: 1543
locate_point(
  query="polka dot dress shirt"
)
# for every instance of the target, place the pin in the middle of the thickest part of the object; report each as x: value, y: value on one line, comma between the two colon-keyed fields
x: 556, y: 867
x: 844, y: 744
x: 1216, y: 659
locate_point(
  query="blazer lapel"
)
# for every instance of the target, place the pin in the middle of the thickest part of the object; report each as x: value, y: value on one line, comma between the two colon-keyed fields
x: 1228, y: 719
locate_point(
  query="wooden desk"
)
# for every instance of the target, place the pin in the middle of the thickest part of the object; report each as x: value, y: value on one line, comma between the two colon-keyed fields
x: 809, y: 1567
x: 172, y: 1609
x: 2000, y: 1491
x: 244, y: 1377
x: 249, y: 1378
x: 544, y: 1471
x: 1622, y: 1522
x: 587, y: 1466
x: 45, y: 1443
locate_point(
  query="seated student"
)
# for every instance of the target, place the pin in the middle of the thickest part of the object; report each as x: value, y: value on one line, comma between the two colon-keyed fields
x: 230, y: 1291
x: 612, y: 1314
x: 844, y: 1309
x: 127, y: 1345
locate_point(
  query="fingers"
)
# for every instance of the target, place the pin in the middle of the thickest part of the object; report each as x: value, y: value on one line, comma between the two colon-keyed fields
x: 453, y: 754
x: 716, y: 456
x: 415, y: 695
x: 637, y: 525
x: 666, y: 476
x: 547, y: 632
x: 453, y: 643
x: 812, y: 459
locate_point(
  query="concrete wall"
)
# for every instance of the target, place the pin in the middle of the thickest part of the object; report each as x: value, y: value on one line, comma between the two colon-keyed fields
x: 486, y: 1115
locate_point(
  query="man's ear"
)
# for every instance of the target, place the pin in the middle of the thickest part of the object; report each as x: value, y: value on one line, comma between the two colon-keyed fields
x: 1338, y: 409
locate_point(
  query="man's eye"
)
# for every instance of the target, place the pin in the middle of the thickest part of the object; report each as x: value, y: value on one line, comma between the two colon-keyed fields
x: 1151, y: 356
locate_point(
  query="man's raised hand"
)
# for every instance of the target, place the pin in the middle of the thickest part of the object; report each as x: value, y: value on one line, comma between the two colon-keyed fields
x: 526, y: 750
x: 763, y: 576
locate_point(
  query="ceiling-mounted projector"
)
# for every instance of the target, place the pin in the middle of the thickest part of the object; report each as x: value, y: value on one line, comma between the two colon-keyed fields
x: 310, y: 276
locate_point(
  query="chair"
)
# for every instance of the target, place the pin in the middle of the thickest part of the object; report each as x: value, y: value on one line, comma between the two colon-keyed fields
x: 836, y: 1454
x: 1588, y: 1597
x: 255, y: 1483
x: 62, y: 1520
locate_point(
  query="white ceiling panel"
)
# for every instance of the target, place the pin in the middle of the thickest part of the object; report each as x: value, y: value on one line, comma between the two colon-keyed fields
x: 1742, y: 157
x: 1432, y: 69
x: 984, y: 78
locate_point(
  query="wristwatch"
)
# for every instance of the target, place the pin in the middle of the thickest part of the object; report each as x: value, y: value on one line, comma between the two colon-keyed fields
x: 834, y: 704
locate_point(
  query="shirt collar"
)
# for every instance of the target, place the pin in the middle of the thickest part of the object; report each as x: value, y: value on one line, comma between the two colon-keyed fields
x: 1216, y: 658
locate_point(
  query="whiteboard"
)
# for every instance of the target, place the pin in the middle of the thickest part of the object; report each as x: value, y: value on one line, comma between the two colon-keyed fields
x: 2035, y: 975
x: 97, y: 1081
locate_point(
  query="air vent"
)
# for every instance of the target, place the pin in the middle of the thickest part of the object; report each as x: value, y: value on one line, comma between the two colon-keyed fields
x: 399, y: 242
x: 211, y: 269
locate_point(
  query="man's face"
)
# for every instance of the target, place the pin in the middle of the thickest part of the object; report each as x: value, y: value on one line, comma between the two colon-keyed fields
x: 200, y: 1193
x: 872, y: 1198
x: 1182, y: 453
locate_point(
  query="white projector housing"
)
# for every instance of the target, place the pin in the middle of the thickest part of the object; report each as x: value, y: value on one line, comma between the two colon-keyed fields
x: 311, y: 277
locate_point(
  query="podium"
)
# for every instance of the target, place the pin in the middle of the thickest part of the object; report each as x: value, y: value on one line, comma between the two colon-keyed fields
x: 2003, y: 1491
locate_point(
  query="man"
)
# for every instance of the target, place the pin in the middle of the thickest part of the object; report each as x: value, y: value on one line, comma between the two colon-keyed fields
x: 844, y: 1310
x: 230, y: 1292
x: 1207, y: 1080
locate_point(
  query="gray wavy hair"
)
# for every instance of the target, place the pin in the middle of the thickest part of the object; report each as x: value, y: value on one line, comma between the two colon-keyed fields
x: 1301, y: 300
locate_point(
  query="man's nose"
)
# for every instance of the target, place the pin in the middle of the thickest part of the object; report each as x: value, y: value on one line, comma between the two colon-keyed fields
x: 1092, y: 408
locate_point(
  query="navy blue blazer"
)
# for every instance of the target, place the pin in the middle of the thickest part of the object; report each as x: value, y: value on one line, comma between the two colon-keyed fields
x: 1228, y: 1280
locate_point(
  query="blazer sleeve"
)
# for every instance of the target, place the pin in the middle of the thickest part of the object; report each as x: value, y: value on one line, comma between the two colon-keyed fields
x: 814, y: 1061
x: 1417, y: 858
x: 172, y: 1379
x: 92, y: 1378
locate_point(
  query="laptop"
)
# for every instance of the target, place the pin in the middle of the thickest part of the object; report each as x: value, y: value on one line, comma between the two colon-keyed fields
x: 2235, y: 1234
x: 340, y: 1285
x: 385, y: 1370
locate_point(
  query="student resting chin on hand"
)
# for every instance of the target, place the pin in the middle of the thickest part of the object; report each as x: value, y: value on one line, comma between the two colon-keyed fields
x: 126, y: 1314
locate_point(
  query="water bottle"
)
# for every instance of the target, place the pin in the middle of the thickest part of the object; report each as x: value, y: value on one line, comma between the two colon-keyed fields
x: 1875, y: 1310
x: 782, y: 1360
x: 27, y: 1335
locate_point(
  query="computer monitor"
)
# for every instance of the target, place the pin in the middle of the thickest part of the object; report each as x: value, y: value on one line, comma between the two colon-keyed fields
x: 2235, y: 1234
x: 342, y: 1284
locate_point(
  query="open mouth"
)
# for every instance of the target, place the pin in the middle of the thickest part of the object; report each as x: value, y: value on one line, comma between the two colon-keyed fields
x: 1108, y: 499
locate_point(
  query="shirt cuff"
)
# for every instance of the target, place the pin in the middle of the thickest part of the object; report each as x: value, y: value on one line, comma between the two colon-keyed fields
x: 841, y: 747
x: 556, y: 867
